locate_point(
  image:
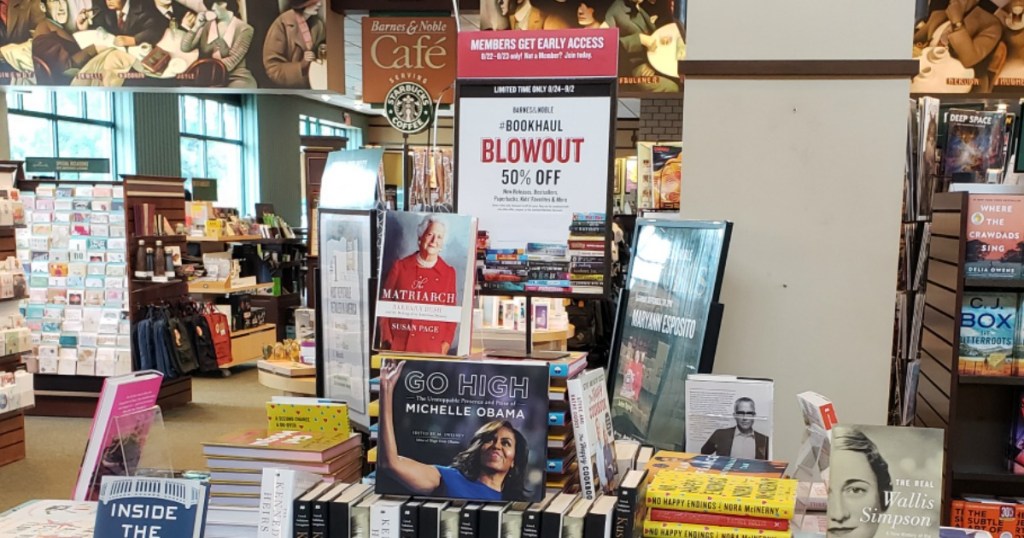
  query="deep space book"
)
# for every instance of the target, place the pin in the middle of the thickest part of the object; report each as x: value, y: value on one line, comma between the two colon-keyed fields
x: 475, y: 430
x: 974, y: 145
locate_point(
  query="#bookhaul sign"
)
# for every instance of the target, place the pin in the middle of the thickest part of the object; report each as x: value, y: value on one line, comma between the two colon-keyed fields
x: 539, y: 173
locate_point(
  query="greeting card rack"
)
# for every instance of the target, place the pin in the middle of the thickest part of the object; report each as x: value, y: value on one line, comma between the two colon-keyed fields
x: 976, y: 411
x: 74, y: 395
x: 12, y: 424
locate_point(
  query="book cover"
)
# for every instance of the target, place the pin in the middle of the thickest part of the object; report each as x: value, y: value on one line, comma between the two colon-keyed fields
x: 385, y: 518
x: 302, y: 510
x: 347, y: 244
x: 1002, y: 518
x: 729, y: 416
x: 987, y: 328
x: 1016, y: 453
x: 425, y: 297
x: 736, y: 495
x: 308, y: 415
x: 630, y: 505
x: 598, y: 522
x: 666, y: 460
x: 592, y: 428
x: 675, y: 278
x: 339, y: 519
x: 120, y: 426
x: 994, y: 239
x: 662, y: 529
x: 885, y: 482
x: 147, y: 506
x: 463, y: 429
x: 283, y: 445
x: 974, y: 144
x: 64, y: 518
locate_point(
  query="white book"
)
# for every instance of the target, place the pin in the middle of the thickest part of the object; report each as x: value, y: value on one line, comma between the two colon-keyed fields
x: 385, y: 516
x: 278, y: 490
x: 729, y: 416
x: 592, y: 428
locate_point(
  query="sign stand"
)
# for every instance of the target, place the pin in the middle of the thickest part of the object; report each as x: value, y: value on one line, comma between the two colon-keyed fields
x: 532, y: 175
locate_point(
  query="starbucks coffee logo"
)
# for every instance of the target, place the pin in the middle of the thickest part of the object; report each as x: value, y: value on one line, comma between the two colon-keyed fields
x: 408, y: 107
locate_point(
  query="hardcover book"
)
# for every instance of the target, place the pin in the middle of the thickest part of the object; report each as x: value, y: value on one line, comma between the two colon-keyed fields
x: 675, y: 278
x: 987, y: 328
x: 666, y: 460
x: 974, y: 144
x: 736, y: 495
x: 278, y: 491
x: 425, y: 297
x: 885, y: 482
x: 119, y: 430
x: 729, y: 416
x: 147, y: 506
x: 284, y: 445
x: 994, y: 239
x: 463, y: 429
x: 592, y: 428
x: 663, y: 529
x: 71, y: 519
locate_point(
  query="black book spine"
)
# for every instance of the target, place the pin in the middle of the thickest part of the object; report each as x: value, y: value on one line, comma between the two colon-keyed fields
x: 551, y: 525
x: 318, y: 516
x: 490, y: 524
x: 300, y: 518
x: 408, y: 523
x: 338, y: 524
x: 469, y: 523
x: 531, y: 523
x: 429, y: 525
x: 594, y: 526
x: 627, y: 510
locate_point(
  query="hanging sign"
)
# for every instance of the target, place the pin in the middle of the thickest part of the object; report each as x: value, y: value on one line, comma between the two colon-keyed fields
x: 414, y: 49
x: 50, y: 165
x: 538, y: 172
x: 408, y: 107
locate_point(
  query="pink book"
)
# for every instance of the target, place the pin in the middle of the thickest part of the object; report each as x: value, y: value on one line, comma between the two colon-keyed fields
x: 107, y: 450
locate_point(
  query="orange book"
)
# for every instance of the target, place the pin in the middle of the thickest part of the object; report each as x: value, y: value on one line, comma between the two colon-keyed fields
x: 992, y: 515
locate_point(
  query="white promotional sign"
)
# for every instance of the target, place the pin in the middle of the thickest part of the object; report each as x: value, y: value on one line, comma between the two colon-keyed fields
x: 535, y: 171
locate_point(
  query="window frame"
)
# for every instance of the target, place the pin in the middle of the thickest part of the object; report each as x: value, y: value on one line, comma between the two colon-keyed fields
x: 54, y: 118
x: 205, y: 139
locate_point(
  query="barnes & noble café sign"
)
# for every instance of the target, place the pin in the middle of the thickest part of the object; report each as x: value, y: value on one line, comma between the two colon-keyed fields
x: 409, y: 49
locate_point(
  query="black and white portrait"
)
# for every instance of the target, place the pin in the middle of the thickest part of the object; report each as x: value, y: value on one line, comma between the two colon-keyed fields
x: 729, y: 416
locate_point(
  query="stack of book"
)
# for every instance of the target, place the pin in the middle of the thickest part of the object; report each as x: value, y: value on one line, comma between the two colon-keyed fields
x: 684, y: 504
x: 587, y: 242
x: 562, y: 471
x: 237, y: 461
x: 547, y: 266
x: 1000, y: 516
x: 503, y: 269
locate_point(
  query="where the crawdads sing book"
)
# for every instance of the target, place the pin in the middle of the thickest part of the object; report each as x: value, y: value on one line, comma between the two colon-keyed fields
x: 885, y: 482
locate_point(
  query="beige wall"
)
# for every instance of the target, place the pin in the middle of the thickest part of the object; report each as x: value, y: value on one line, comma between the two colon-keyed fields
x: 811, y: 173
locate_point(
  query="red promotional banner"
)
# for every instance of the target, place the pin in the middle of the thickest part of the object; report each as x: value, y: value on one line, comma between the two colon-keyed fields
x: 539, y: 54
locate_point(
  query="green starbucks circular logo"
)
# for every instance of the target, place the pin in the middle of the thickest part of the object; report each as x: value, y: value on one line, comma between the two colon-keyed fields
x: 408, y: 107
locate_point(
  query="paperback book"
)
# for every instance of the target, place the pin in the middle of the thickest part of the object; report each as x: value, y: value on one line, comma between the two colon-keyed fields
x: 729, y: 416
x: 592, y: 428
x: 425, y: 297
x: 307, y: 415
x: 974, y: 145
x: 994, y: 241
x: 885, y: 481
x: 63, y: 518
x: 463, y: 429
x: 119, y: 430
x: 674, y: 280
x: 987, y: 328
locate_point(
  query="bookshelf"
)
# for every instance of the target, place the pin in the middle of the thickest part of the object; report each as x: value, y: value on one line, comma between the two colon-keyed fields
x: 976, y: 411
x: 12, y: 424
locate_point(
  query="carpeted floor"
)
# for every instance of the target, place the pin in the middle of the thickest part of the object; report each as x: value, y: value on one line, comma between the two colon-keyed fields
x: 55, y: 445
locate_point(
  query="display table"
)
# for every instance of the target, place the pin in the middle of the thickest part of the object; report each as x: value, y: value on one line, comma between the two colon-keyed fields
x: 294, y: 386
x: 488, y: 338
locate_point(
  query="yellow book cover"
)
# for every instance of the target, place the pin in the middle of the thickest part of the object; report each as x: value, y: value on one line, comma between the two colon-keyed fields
x: 371, y: 455
x: 214, y: 228
x: 311, y: 417
x: 723, y: 494
x: 664, y: 529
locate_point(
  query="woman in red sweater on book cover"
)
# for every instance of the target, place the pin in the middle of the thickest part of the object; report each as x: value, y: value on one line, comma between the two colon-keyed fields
x: 422, y: 277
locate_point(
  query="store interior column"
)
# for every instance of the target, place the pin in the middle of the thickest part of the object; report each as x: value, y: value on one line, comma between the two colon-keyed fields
x: 809, y: 166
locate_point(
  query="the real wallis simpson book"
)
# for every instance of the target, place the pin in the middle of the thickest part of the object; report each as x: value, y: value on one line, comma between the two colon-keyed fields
x: 425, y: 294
x: 471, y: 430
x: 674, y: 279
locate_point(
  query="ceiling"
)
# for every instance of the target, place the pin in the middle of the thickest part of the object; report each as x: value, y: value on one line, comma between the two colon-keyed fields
x: 628, y: 108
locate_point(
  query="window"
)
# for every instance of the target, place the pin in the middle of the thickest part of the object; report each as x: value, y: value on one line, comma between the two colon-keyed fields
x: 212, y: 147
x: 310, y: 126
x: 63, y: 124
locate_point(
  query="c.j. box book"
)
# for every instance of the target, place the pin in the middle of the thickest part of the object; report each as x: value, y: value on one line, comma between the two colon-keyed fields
x: 424, y: 300
x: 463, y: 429
x: 987, y: 328
x: 885, y: 482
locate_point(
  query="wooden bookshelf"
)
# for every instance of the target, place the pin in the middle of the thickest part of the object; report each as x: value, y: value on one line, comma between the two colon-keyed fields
x: 975, y: 411
x: 12, y: 424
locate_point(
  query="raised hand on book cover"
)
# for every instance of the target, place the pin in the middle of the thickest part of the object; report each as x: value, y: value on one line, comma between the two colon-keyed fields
x: 494, y: 462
